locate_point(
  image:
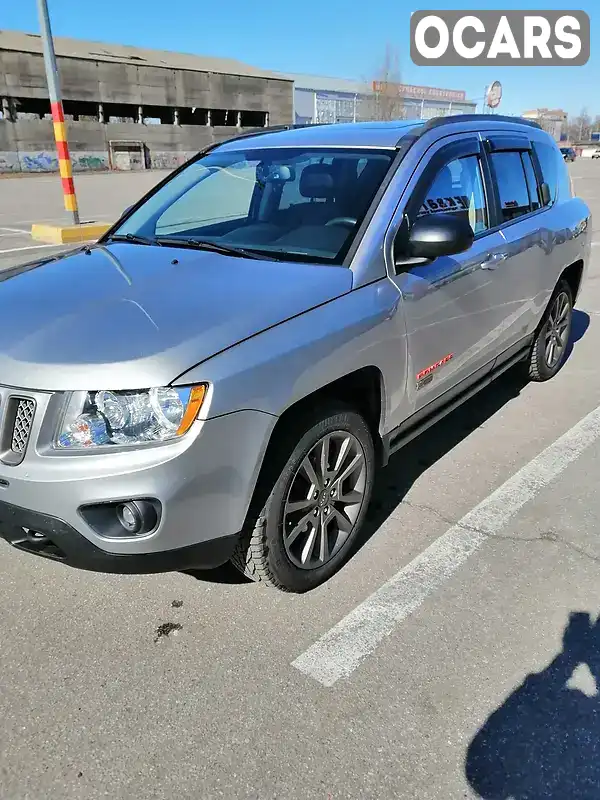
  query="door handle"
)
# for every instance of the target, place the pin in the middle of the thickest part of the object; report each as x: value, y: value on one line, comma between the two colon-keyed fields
x: 494, y: 261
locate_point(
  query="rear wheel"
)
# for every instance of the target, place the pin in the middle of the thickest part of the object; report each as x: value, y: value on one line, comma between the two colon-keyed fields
x: 549, y: 349
x: 316, y: 505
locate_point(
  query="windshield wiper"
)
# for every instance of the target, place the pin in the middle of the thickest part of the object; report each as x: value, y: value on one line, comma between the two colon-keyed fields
x: 215, y: 247
x: 133, y: 237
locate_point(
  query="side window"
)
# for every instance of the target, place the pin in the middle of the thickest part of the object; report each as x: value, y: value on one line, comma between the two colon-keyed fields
x: 532, y: 184
x: 512, y: 185
x: 458, y: 189
x: 554, y: 170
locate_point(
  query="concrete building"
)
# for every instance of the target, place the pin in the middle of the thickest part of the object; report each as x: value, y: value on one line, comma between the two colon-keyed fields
x: 320, y: 99
x: 553, y: 120
x: 128, y: 108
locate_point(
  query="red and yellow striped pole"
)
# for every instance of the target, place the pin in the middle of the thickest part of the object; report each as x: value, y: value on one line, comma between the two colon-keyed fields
x: 64, y: 159
x: 58, y: 118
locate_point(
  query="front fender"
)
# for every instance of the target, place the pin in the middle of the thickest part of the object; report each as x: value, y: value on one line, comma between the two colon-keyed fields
x: 273, y: 370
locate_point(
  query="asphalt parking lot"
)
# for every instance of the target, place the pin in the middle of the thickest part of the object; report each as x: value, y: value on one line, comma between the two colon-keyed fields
x: 455, y: 656
x: 38, y: 198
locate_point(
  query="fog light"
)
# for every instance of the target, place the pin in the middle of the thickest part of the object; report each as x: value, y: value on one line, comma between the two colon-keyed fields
x: 137, y: 516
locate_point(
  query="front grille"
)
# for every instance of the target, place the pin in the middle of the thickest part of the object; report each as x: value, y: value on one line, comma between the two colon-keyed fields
x: 22, y: 425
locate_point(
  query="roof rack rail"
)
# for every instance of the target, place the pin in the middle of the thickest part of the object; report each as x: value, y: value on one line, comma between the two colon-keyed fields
x: 437, y: 121
x: 272, y: 129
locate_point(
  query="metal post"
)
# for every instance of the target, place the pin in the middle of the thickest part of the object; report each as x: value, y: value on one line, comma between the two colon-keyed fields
x: 58, y: 117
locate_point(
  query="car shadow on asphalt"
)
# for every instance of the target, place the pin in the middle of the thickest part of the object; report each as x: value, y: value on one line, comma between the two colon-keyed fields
x: 579, y: 326
x: 543, y: 741
x: 394, y: 481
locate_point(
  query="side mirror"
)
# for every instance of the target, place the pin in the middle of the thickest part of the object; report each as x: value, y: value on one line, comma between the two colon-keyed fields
x: 439, y: 235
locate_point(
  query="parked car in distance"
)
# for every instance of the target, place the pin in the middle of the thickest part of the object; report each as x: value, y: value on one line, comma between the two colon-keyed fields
x: 220, y: 376
x: 568, y: 153
x: 596, y: 153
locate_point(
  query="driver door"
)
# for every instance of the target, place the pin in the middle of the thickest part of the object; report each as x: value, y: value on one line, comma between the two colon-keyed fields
x: 449, y: 303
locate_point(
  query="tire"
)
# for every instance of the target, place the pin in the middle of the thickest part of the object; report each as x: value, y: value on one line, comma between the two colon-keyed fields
x: 542, y: 367
x: 274, y: 544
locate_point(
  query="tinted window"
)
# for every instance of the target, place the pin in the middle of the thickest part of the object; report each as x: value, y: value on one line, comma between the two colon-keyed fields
x: 554, y: 169
x: 458, y: 189
x: 512, y: 185
x: 532, y: 185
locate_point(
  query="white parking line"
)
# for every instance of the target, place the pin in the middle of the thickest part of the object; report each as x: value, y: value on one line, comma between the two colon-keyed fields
x: 13, y: 231
x: 342, y: 649
x: 29, y: 247
x: 89, y: 217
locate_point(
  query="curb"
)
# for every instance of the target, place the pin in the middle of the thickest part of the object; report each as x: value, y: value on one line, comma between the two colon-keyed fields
x: 69, y: 234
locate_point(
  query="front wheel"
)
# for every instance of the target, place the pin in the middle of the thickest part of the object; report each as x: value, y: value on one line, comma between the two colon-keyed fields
x: 311, y: 519
x: 549, y: 350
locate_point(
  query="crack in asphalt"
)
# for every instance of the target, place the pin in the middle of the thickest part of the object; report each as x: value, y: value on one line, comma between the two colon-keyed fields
x: 544, y: 536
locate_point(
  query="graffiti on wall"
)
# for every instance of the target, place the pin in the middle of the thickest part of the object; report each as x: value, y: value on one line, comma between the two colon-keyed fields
x: 47, y: 161
x: 168, y: 159
x: 38, y: 162
x: 9, y: 162
x: 90, y: 161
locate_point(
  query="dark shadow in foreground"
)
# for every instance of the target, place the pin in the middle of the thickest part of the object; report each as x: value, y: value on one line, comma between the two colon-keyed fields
x: 543, y: 743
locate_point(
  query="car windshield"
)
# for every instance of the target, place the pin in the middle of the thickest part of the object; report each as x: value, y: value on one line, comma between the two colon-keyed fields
x: 289, y: 204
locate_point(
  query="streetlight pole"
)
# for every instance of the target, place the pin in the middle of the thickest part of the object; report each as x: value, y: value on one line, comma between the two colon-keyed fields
x: 58, y: 117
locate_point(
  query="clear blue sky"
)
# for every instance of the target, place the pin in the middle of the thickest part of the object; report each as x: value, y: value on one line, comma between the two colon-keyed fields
x: 322, y: 37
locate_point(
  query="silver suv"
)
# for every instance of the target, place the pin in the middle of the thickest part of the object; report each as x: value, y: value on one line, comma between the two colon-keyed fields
x: 219, y: 377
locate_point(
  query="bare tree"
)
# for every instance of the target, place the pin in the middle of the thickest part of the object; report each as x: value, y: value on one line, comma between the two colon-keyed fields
x: 386, y: 102
x: 580, y: 127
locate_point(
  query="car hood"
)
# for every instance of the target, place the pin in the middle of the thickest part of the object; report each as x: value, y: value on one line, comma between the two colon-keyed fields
x: 127, y: 316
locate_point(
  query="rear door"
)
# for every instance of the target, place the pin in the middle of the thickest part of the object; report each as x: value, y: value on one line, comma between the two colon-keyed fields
x: 450, y: 304
x: 521, y: 221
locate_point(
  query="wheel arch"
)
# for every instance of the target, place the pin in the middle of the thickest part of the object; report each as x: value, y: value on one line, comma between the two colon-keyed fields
x: 362, y: 390
x: 573, y: 275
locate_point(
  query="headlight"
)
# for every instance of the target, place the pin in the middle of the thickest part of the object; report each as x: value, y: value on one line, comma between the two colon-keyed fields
x: 94, y: 419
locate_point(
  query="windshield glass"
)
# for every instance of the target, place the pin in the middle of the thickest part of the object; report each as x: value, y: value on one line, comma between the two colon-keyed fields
x: 296, y: 204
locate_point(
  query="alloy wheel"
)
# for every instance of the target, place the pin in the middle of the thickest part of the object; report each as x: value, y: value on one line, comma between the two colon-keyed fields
x: 557, y: 329
x: 324, y: 500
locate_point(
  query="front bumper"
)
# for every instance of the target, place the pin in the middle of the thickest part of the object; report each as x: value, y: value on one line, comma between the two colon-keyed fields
x: 202, y: 484
x: 52, y: 538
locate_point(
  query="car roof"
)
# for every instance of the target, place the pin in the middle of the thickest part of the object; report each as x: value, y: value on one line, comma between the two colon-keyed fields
x: 365, y: 134
x: 349, y: 134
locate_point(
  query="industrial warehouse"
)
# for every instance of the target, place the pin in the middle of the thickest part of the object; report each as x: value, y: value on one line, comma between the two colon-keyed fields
x: 130, y: 108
